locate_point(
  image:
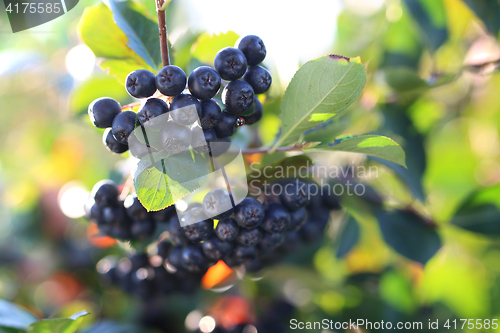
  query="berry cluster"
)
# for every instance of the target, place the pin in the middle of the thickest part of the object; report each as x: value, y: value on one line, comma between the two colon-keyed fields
x: 122, y: 219
x: 238, y: 99
x: 252, y: 234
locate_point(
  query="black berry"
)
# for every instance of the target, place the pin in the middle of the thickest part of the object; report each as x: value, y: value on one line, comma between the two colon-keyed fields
x: 253, y: 48
x: 102, y: 111
x: 204, y: 82
x: 135, y: 210
x: 227, y: 125
x: 192, y: 258
x: 294, y: 195
x: 249, y: 213
x: 110, y: 142
x: 237, y: 96
x: 245, y: 253
x: 171, y: 80
x: 249, y: 237
x: 200, y: 139
x: 199, y: 231
x: 142, y: 229
x: 218, y: 203
x: 215, y: 249
x: 184, y: 109
x: 271, y: 241
x: 153, y: 107
x: 219, y: 146
x: 210, y: 114
x: 230, y: 63
x: 140, y: 83
x: 297, y: 219
x: 256, y: 115
x: 105, y: 194
x: 175, y: 138
x: 259, y: 78
x: 123, y: 125
x: 227, y: 229
x: 276, y: 218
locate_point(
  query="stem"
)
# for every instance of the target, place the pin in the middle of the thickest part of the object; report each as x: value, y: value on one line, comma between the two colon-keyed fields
x: 162, y: 27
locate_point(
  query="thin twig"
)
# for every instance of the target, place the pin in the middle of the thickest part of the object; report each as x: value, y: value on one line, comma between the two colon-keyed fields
x: 265, y: 150
x: 162, y: 27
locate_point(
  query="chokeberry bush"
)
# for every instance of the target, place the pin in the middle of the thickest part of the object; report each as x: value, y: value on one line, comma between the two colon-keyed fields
x: 227, y: 195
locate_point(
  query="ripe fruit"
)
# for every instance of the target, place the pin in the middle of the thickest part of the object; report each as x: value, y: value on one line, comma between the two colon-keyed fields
x: 153, y: 107
x: 219, y: 146
x: 135, y: 210
x: 200, y: 139
x: 140, y: 83
x: 105, y: 194
x: 276, y: 218
x: 110, y: 142
x: 249, y: 213
x: 230, y: 63
x: 297, y: 219
x: 215, y: 249
x: 210, y: 114
x: 171, y: 80
x: 253, y: 48
x: 175, y: 138
x: 204, y: 82
x: 102, y: 111
x: 257, y: 113
x: 142, y: 229
x: 227, y: 125
x: 218, y: 203
x: 192, y: 258
x: 238, y: 96
x: 227, y: 229
x: 123, y: 125
x: 199, y: 231
x: 184, y: 109
x: 259, y: 78
x: 245, y: 252
x: 271, y: 241
x: 249, y: 237
x: 139, y: 149
x: 294, y: 195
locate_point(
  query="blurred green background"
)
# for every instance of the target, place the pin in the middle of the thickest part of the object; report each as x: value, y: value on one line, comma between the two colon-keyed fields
x: 433, y: 86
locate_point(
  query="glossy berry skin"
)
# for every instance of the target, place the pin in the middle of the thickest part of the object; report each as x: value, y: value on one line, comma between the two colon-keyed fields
x: 140, y: 83
x: 297, y: 219
x: 294, y: 195
x: 96, y: 215
x: 105, y: 194
x: 175, y: 256
x: 171, y: 80
x: 249, y: 213
x: 245, y: 252
x: 200, y: 139
x: 110, y: 142
x: 184, y: 109
x: 210, y: 114
x: 114, y: 215
x: 257, y: 113
x: 218, y: 203
x: 192, y: 258
x: 259, y: 78
x: 175, y: 138
x: 163, y: 248
x: 142, y: 229
x: 135, y: 210
x: 249, y: 237
x: 215, y: 249
x: 153, y: 107
x: 123, y: 125
x: 227, y: 125
x: 204, y: 82
x: 176, y: 232
x: 102, y: 111
x: 253, y: 48
x: 237, y: 96
x: 230, y: 63
x: 139, y: 149
x: 199, y: 231
x: 271, y: 241
x: 276, y: 218
x: 164, y: 215
x: 227, y: 229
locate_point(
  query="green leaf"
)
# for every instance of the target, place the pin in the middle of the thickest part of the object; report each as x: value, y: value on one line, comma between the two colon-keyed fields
x: 410, y: 235
x: 488, y: 11
x: 141, y: 30
x: 348, y: 238
x: 161, y: 179
x: 430, y: 16
x: 93, y: 88
x: 480, y: 212
x: 320, y: 90
x: 13, y: 316
x: 207, y: 45
x: 100, y: 33
x: 283, y: 168
x: 374, y: 145
x: 403, y: 79
x: 58, y: 325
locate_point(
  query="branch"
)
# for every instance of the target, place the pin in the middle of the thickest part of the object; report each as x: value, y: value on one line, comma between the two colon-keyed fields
x: 265, y: 150
x: 161, y: 5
